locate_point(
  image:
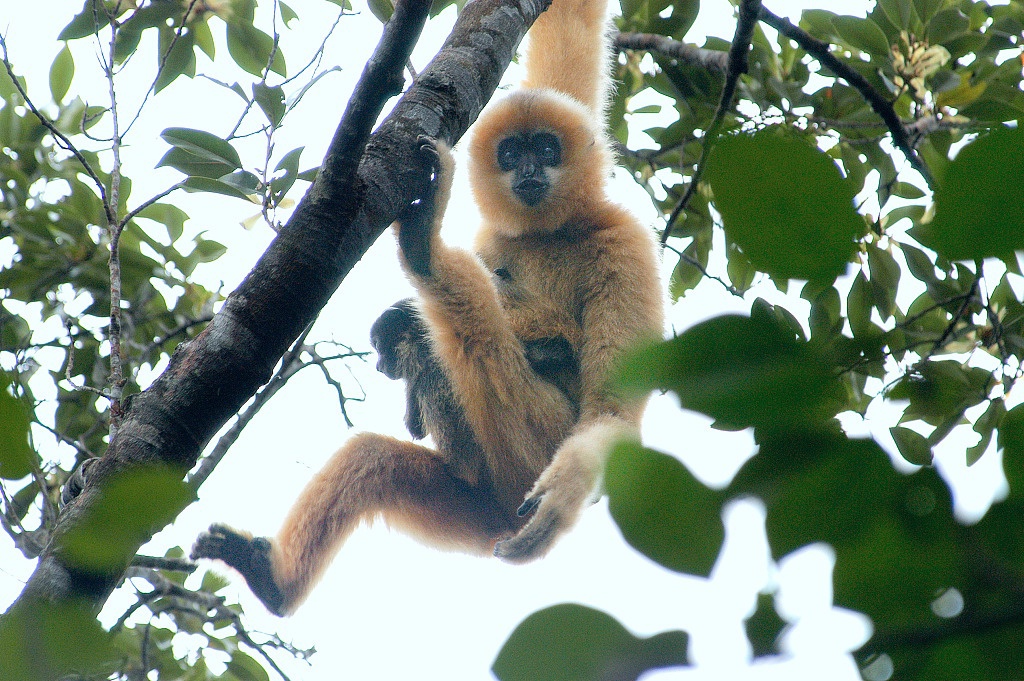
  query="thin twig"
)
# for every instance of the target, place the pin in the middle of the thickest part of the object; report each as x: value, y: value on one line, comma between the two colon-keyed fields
x: 65, y: 143
x: 736, y: 66
x: 290, y: 365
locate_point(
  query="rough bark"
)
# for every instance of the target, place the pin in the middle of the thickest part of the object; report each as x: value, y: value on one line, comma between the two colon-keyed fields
x: 357, y: 195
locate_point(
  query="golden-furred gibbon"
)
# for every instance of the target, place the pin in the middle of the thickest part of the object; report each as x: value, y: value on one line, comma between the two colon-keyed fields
x: 519, y: 454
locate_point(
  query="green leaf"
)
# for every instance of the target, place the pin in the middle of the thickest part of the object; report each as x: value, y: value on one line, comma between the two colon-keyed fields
x: 1011, y: 440
x: 947, y: 25
x: 62, y: 72
x: 176, y: 56
x: 382, y: 9
x: 271, y: 102
x: 899, y: 12
x: 208, y: 251
x: 570, y: 642
x: 16, y: 456
x: 926, y: 9
x: 203, y: 144
x: 286, y: 172
x: 885, y: 279
x: 984, y: 426
x: 134, y: 506
x: 244, y: 668
x: 741, y: 371
x: 685, y: 275
x: 251, y: 49
x: 170, y: 216
x: 940, y: 390
x: 662, y: 510
x: 43, y: 640
x: 858, y: 306
x: 863, y: 34
x: 214, y: 186
x: 978, y: 211
x: 785, y: 204
x: 287, y: 13
x: 912, y: 446
x: 84, y: 24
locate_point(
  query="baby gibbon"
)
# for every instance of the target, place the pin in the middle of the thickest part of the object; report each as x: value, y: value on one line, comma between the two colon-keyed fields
x: 555, y: 258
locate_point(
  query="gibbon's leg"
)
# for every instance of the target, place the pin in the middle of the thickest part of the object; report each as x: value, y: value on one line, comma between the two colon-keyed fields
x: 372, y: 476
x: 517, y: 417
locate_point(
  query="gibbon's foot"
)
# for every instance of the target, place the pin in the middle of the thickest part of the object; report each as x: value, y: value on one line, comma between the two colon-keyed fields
x: 249, y: 555
x: 417, y: 220
x: 538, y: 536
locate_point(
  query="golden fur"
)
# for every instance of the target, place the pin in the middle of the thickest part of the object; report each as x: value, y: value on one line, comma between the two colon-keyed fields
x: 577, y: 265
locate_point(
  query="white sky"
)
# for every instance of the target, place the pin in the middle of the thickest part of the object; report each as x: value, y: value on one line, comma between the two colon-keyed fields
x: 389, y: 608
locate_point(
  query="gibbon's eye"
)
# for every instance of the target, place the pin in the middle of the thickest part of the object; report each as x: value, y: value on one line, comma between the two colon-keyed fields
x: 547, y: 148
x: 510, y: 150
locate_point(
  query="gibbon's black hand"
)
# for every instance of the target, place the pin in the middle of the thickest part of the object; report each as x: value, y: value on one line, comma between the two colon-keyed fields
x: 416, y: 222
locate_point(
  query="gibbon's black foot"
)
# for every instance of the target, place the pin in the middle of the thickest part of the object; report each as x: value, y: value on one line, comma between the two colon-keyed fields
x: 76, y: 483
x: 417, y: 220
x: 250, y: 556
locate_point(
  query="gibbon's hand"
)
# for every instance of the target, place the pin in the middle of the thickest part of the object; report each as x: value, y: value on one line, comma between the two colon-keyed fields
x: 416, y: 223
x: 564, y: 489
x: 245, y: 553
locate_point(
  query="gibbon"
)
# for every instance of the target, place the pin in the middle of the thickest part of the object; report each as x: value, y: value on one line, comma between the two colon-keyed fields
x: 401, y: 340
x: 556, y: 259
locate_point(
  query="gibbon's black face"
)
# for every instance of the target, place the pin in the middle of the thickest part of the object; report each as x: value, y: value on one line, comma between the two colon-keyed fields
x: 396, y: 326
x: 528, y: 156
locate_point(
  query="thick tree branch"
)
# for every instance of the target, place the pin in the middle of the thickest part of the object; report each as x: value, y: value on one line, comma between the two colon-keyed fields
x: 881, y: 106
x: 346, y: 209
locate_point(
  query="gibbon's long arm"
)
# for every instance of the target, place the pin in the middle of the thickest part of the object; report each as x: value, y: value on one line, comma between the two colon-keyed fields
x: 567, y: 52
x: 518, y: 417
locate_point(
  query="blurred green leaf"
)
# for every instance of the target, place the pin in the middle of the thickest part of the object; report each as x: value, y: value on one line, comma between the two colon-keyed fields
x: 16, y: 456
x: 912, y: 445
x: 785, y: 204
x: 741, y: 371
x: 135, y: 504
x: 764, y: 628
x: 662, y: 510
x: 571, y: 642
x: 978, y: 213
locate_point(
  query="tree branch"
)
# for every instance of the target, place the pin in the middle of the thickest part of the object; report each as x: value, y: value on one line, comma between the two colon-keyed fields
x: 712, y: 60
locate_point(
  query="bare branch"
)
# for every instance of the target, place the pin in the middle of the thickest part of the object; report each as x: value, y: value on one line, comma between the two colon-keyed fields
x: 712, y: 60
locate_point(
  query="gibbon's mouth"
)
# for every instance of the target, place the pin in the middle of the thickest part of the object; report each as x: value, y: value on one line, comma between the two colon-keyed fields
x: 531, y: 191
